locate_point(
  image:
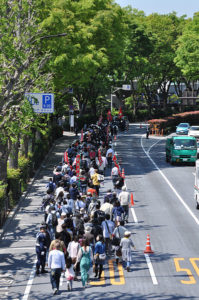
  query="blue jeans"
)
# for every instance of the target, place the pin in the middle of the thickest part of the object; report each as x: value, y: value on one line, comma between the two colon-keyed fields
x: 55, y: 275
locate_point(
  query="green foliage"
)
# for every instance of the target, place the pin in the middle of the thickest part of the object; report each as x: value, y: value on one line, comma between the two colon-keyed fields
x: 14, y: 185
x: 187, y: 54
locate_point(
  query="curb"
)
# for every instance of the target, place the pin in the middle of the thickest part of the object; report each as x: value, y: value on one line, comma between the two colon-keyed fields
x: 13, y: 212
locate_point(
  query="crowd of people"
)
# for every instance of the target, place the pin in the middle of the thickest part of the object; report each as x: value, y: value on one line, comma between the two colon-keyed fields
x: 82, y: 229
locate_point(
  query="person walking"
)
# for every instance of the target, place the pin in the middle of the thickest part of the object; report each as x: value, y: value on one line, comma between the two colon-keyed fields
x: 56, y: 262
x: 108, y: 228
x: 126, y: 245
x: 100, y: 256
x: 41, y: 248
x: 96, y: 183
x: 85, y: 257
x: 124, y: 198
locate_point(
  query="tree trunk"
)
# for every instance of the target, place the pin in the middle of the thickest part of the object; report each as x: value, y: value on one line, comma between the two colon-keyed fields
x: 25, y: 143
x: 13, y: 157
x: 3, y: 160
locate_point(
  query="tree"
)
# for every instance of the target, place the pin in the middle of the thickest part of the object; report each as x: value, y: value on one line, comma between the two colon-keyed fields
x: 187, y: 53
x: 21, y: 62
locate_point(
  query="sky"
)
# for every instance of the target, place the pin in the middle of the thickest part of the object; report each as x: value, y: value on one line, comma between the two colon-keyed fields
x: 182, y: 7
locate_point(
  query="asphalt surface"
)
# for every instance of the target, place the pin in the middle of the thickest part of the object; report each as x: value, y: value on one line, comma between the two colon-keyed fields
x: 164, y: 208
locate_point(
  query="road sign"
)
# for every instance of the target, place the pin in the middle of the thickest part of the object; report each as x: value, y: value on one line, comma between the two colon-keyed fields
x: 42, y: 103
x: 126, y: 87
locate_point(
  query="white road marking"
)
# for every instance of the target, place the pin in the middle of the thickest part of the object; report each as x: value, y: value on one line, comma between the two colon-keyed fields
x: 132, y: 210
x: 153, y: 145
x: 30, y: 281
x: 134, y: 215
x: 151, y: 270
x: 171, y: 186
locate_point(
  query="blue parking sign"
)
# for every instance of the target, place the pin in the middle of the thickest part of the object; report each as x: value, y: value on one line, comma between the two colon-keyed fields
x: 47, y: 101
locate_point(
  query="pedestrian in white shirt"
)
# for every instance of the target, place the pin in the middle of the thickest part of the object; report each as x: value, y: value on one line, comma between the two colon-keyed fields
x: 124, y: 198
x: 56, y: 262
x: 114, y: 175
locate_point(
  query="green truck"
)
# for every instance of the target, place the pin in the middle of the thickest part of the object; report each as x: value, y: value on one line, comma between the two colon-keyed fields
x: 181, y: 149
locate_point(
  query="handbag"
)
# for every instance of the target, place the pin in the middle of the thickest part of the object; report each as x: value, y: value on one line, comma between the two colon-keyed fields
x: 110, y: 235
x: 115, y: 241
x: 100, y: 177
x: 102, y: 256
x: 118, y: 252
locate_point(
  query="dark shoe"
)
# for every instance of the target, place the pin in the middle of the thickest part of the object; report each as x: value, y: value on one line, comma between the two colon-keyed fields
x: 37, y: 272
x: 96, y: 274
x: 128, y: 269
x: 44, y: 271
x: 117, y: 261
x: 55, y: 291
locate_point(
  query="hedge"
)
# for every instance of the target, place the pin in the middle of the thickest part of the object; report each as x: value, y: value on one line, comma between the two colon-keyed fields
x: 169, y: 124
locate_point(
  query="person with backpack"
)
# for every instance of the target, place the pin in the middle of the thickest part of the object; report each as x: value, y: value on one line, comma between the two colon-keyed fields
x: 51, y: 186
x: 52, y: 222
x: 99, y: 256
x: 109, y: 156
x: 83, y: 182
x: 99, y: 214
x: 118, y: 211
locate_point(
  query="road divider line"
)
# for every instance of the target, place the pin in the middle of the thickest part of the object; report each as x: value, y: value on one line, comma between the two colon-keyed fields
x: 30, y: 281
x: 171, y: 186
x: 134, y: 215
x: 151, y: 270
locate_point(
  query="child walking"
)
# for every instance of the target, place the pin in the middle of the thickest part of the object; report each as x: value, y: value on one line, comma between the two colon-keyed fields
x: 69, y: 274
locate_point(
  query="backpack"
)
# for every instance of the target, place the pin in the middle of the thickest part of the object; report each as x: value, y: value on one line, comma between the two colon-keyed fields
x: 51, y: 187
x: 54, y: 220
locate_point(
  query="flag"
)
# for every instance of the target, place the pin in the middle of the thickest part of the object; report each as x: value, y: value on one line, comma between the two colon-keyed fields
x: 77, y: 165
x: 120, y: 113
x: 100, y: 157
x: 66, y: 157
x: 109, y: 116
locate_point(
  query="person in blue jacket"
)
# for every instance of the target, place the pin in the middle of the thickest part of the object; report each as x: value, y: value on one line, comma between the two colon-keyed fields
x: 99, y: 256
x: 41, y: 248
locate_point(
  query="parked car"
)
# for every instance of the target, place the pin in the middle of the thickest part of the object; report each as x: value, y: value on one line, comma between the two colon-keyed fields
x: 194, y: 131
x: 182, y: 128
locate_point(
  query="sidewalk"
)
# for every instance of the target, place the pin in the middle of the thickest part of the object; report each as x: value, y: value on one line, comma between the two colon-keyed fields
x: 53, y: 157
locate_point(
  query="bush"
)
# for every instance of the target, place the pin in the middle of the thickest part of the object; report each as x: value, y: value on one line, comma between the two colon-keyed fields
x: 14, y: 186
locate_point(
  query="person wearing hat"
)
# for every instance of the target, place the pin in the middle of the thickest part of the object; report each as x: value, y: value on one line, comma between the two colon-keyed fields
x: 126, y: 244
x: 124, y: 198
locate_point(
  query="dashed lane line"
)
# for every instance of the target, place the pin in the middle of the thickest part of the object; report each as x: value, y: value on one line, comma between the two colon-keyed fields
x: 151, y: 270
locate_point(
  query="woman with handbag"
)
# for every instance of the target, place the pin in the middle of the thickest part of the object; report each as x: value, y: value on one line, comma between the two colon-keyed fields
x: 85, y: 257
x: 100, y: 256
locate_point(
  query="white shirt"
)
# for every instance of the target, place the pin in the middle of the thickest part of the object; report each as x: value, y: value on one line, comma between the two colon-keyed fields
x: 92, y: 171
x: 114, y: 171
x: 56, y: 260
x: 124, y: 198
x: 58, y: 190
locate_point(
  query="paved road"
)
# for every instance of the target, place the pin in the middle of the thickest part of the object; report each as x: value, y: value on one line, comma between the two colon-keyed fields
x: 164, y: 208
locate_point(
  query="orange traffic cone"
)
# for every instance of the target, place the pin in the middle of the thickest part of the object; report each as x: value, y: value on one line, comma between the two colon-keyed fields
x: 132, y: 202
x: 115, y: 137
x: 148, y: 245
x: 123, y: 175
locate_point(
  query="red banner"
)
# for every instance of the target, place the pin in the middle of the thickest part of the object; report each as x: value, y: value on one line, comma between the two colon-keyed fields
x: 109, y: 116
x: 120, y: 113
x: 66, y: 158
x: 77, y: 165
x: 100, y: 157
